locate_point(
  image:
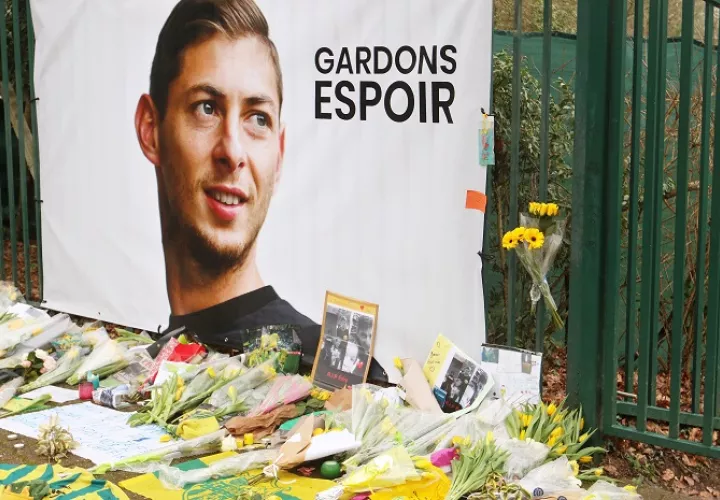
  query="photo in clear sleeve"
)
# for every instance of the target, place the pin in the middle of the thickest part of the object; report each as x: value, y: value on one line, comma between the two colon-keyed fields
x: 346, y: 342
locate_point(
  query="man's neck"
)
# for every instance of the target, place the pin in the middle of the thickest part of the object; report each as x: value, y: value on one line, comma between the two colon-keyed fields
x: 191, y: 290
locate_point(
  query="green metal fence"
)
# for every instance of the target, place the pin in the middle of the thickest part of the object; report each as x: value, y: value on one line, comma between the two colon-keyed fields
x: 645, y: 263
x: 639, y: 284
x: 20, y: 236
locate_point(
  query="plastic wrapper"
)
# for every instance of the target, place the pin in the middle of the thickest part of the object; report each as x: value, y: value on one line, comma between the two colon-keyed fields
x: 137, y: 371
x: 466, y: 426
x: 93, y: 334
x: 493, y: 412
x: 60, y: 324
x: 602, y: 490
x: 106, y: 356
x: 523, y: 456
x: 286, y: 390
x: 243, y: 384
x: 262, y: 343
x: 9, y: 295
x: 151, y: 461
x: 174, y: 478
x: 390, y: 469
x: 15, y: 332
x: 8, y: 390
x: 66, y: 366
x: 551, y: 478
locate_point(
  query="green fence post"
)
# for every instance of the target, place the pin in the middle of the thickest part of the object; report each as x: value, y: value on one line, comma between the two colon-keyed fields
x: 591, y: 160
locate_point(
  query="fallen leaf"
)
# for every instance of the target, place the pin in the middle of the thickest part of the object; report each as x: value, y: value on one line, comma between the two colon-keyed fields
x: 668, y: 475
x: 688, y: 460
x: 689, y: 480
x: 705, y: 494
x: 611, y: 469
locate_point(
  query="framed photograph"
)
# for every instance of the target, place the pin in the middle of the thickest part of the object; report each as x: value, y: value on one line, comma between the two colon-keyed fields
x: 346, y: 342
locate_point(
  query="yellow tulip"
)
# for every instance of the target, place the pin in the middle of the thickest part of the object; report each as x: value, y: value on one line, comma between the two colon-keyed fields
x: 551, y: 441
x: 584, y: 437
x: 527, y: 420
x: 398, y: 362
x: 522, y: 435
x: 543, y: 209
x: 575, y: 467
x: 551, y: 409
x: 457, y: 440
x: 557, y: 432
x: 211, y: 372
x: 165, y: 438
x: 562, y: 449
x: 582, y: 423
x: 585, y: 459
x: 598, y: 472
x: 557, y: 419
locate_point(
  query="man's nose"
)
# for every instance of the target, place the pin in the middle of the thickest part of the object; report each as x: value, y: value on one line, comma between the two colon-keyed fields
x: 230, y: 151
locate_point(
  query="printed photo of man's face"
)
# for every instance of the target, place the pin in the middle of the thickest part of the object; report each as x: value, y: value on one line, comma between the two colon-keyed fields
x: 211, y: 126
x: 221, y: 146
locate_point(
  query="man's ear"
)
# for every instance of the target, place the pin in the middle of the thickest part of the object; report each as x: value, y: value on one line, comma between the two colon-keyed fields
x: 281, y: 159
x: 147, y: 127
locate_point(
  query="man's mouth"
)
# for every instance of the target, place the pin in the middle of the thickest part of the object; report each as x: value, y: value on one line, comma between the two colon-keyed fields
x: 226, y: 202
x: 225, y: 198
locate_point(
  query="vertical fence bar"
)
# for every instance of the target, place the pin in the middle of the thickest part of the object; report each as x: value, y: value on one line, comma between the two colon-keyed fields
x: 613, y: 206
x: 661, y: 26
x: 633, y: 201
x: 703, y: 209
x: 651, y: 216
x: 713, y: 325
x: 36, y: 151
x: 8, y: 146
x: 588, y: 190
x: 20, y: 132
x: 686, y: 53
x: 514, y: 165
x: 544, y: 138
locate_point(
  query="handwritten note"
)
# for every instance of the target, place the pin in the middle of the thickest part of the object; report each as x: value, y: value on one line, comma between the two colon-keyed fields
x: 516, y: 372
x: 102, y: 433
x: 436, y: 359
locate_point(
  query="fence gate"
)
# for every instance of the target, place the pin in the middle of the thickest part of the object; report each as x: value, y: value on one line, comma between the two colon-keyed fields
x: 645, y: 265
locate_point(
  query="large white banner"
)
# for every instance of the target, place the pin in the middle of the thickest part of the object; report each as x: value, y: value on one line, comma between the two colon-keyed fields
x: 382, y: 103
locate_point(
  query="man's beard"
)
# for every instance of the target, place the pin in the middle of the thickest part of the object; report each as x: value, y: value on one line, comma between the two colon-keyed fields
x: 212, y: 260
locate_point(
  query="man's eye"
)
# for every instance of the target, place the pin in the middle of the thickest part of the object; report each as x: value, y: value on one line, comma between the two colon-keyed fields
x: 207, y: 107
x: 260, y: 120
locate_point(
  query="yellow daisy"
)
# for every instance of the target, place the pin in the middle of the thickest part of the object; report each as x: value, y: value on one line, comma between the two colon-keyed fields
x: 534, y: 238
x: 509, y: 241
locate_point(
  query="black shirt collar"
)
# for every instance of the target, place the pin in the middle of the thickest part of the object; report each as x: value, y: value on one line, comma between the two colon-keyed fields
x: 219, y: 315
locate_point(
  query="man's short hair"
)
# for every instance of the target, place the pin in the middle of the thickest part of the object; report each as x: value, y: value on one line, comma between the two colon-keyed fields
x: 193, y: 21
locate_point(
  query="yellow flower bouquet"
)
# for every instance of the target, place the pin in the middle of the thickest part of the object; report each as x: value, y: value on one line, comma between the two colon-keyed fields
x: 536, y: 243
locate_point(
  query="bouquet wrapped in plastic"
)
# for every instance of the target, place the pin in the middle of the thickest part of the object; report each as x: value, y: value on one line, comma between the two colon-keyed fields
x: 66, y: 366
x: 392, y: 468
x: 286, y: 390
x: 107, y: 358
x: 536, y: 243
x: 241, y: 386
x: 150, y: 461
